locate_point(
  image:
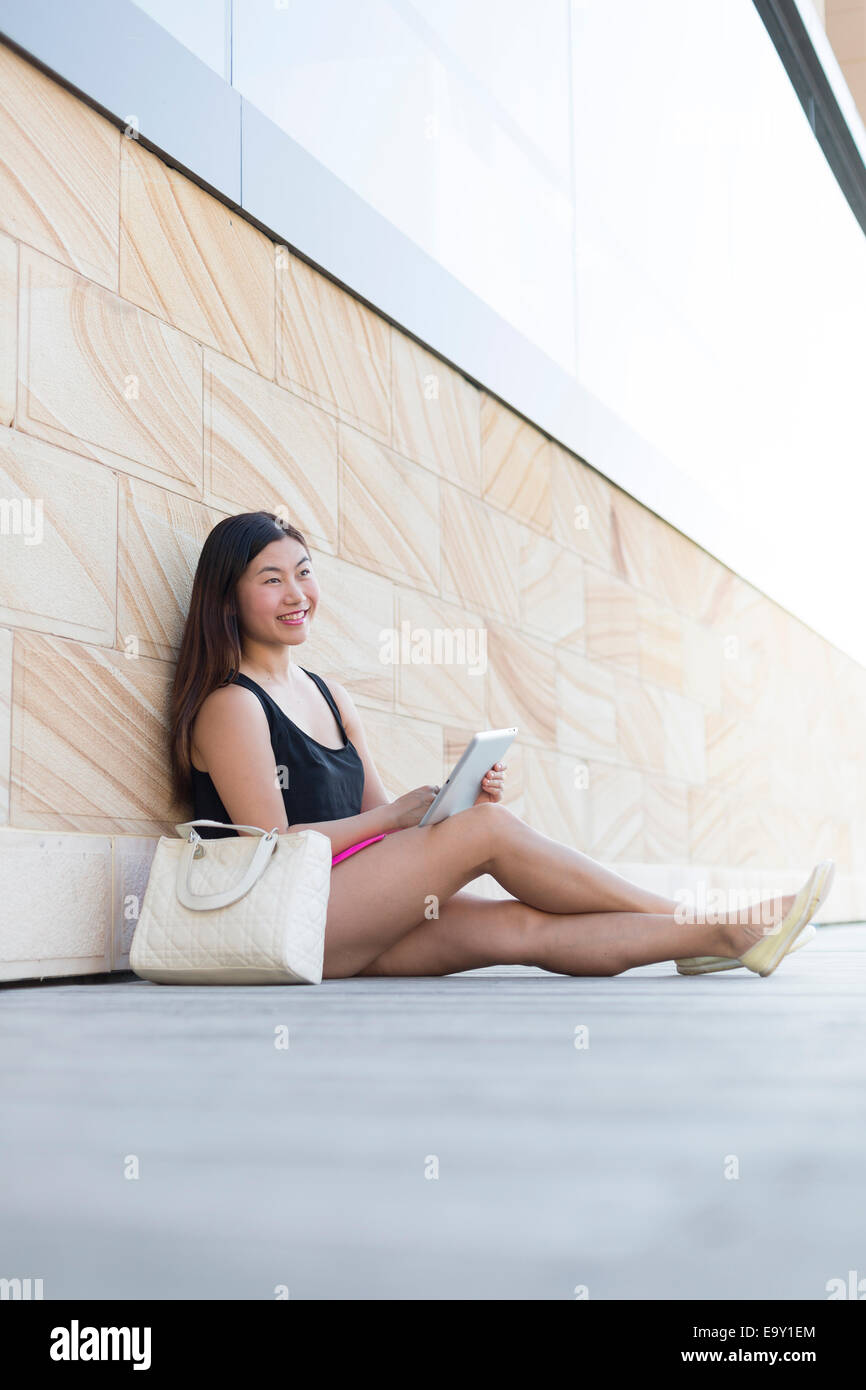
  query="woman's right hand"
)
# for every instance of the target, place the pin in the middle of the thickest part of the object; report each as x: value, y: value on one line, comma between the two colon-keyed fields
x: 407, y: 810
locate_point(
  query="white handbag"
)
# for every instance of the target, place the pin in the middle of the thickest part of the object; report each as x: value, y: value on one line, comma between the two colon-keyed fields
x: 234, y: 911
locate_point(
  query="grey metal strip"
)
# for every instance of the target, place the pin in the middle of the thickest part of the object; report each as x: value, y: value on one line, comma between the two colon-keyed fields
x: 791, y: 39
x: 119, y: 60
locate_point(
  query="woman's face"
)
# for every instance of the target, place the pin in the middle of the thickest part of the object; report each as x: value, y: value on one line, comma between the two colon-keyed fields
x: 278, y: 580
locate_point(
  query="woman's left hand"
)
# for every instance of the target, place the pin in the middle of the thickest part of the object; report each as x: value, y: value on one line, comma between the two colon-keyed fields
x: 491, y: 785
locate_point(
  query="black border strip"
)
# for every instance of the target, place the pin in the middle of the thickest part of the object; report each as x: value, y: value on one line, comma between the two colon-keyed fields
x: 790, y: 36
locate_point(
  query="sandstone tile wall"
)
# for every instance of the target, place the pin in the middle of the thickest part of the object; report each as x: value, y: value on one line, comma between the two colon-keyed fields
x: 845, y: 22
x: 164, y: 364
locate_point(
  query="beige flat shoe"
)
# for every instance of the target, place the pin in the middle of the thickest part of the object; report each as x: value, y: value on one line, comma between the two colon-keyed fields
x: 788, y: 935
x: 705, y: 965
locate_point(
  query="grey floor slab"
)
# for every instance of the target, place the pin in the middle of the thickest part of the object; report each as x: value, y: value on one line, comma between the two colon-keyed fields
x: 441, y: 1138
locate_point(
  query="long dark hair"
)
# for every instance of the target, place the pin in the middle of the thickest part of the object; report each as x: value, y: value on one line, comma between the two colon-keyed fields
x: 210, y: 649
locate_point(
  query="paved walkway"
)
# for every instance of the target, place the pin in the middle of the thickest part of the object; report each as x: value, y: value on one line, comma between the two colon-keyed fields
x: 308, y: 1167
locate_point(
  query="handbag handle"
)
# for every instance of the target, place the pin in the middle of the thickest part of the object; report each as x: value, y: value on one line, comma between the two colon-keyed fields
x: 194, y: 849
x: 223, y: 825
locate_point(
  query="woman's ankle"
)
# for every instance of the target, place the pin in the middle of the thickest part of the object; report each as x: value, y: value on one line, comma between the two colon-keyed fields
x: 727, y: 940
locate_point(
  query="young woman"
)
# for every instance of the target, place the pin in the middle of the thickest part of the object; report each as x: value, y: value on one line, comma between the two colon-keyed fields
x: 259, y: 740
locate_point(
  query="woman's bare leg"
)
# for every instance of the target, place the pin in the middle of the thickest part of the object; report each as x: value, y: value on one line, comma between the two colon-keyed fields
x: 469, y: 933
x: 556, y: 878
x: 380, y: 893
x: 385, y: 891
x: 472, y: 932
x: 606, y: 943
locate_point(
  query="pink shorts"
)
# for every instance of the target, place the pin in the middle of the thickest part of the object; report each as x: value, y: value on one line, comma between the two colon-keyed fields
x: 344, y: 853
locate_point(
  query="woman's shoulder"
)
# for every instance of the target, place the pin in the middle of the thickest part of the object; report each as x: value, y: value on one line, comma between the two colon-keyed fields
x: 216, y: 721
x: 230, y: 692
x: 224, y: 703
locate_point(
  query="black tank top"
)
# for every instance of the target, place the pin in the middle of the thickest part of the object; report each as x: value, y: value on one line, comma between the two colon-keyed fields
x: 323, y: 783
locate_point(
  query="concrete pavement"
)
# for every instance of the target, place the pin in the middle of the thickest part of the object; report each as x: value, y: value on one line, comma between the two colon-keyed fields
x: 610, y: 1166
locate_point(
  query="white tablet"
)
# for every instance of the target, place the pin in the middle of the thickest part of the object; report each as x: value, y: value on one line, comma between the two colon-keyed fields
x: 464, y: 784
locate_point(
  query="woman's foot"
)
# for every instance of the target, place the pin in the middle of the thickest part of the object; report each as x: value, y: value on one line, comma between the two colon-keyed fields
x: 766, y: 913
x: 737, y: 936
x: 760, y: 945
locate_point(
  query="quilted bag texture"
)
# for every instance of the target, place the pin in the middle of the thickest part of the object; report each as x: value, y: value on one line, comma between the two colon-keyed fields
x: 234, y: 911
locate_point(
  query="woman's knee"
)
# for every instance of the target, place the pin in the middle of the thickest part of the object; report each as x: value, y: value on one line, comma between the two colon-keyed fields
x: 489, y: 820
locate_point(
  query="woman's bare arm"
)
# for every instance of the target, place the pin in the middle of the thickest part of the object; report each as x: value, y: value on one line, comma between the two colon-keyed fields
x: 347, y: 831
